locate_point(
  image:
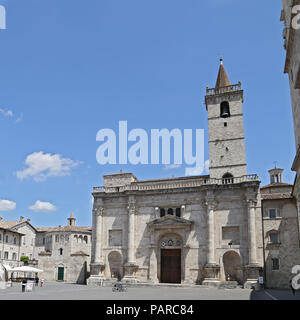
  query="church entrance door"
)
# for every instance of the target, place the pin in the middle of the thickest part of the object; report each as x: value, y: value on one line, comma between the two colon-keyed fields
x: 170, y: 266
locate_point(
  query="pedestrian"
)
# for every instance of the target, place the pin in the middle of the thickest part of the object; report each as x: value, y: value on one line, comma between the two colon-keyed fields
x: 292, y: 288
x: 261, y: 282
x: 24, y: 282
x: 119, y: 277
x: 37, y: 281
x: 42, y: 282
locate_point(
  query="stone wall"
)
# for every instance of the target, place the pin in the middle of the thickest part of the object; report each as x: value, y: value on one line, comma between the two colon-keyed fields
x: 287, y: 250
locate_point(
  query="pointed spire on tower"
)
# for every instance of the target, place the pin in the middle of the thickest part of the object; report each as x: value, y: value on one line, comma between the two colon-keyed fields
x: 223, y: 80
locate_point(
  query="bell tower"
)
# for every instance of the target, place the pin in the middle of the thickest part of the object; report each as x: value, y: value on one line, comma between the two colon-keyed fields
x: 224, y: 105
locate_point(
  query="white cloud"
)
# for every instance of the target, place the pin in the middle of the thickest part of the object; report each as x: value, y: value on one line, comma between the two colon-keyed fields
x: 40, y: 206
x: 20, y: 118
x: 6, y: 113
x: 197, y: 171
x: 6, y: 205
x: 41, y: 166
x: 172, y: 166
x: 10, y: 114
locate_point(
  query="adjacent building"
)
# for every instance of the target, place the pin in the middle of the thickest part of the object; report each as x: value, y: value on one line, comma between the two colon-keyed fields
x: 10, y: 246
x: 280, y: 231
x: 291, y: 35
x: 64, y: 252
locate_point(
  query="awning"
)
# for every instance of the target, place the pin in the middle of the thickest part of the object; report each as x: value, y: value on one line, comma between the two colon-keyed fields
x: 26, y: 269
x: 7, y: 267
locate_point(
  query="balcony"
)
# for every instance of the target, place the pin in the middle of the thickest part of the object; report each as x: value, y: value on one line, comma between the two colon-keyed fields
x: 231, y: 88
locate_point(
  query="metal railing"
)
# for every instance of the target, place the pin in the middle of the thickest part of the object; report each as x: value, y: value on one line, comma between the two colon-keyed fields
x: 231, y: 88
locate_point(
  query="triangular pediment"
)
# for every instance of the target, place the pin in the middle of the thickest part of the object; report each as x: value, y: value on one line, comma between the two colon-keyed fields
x: 170, y: 221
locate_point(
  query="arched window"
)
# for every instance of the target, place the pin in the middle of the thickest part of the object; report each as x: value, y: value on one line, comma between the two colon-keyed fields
x: 178, y: 212
x: 15, y: 240
x: 85, y: 239
x: 61, y: 251
x: 162, y: 212
x: 227, y: 178
x: 224, y: 110
x: 170, y: 211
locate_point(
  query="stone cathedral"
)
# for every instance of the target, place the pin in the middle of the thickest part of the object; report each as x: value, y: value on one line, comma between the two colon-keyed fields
x: 200, y: 229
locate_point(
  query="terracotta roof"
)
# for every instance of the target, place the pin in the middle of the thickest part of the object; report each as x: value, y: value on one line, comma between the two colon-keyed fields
x: 65, y: 229
x: 79, y: 253
x: 274, y: 196
x: 13, y: 231
x: 277, y: 185
x: 12, y: 224
x: 222, y: 80
x: 9, y: 224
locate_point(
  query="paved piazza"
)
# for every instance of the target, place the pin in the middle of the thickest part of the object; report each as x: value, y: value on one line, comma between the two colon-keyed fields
x: 62, y: 291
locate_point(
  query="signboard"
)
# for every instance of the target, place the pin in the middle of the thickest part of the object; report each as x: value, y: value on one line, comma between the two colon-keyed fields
x: 29, y: 286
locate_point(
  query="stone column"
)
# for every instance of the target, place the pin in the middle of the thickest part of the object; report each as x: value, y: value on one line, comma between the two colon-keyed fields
x: 97, y: 265
x: 131, y: 266
x: 253, y: 268
x: 252, y: 232
x: 98, y: 214
x: 131, y: 228
x: 211, y: 233
x: 212, y: 269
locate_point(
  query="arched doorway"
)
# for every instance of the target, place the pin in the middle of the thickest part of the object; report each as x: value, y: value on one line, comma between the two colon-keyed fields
x: 232, y: 267
x: 170, y: 259
x: 115, y: 264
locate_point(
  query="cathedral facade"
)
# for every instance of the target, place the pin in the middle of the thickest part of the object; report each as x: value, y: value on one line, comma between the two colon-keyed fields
x: 202, y: 229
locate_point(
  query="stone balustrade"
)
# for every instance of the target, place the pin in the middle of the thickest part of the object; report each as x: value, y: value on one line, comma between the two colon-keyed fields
x: 231, y: 88
x: 148, y: 186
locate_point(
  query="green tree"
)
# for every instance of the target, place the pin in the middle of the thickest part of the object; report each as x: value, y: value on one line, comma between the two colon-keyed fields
x: 24, y: 259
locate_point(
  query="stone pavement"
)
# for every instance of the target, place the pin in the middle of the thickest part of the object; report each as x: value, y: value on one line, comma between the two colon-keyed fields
x: 63, y: 291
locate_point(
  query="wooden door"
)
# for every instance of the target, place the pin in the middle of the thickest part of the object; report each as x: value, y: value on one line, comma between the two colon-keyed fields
x: 60, y: 275
x: 170, y: 266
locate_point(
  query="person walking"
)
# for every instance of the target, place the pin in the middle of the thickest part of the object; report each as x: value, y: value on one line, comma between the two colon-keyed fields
x: 37, y: 281
x: 261, y: 282
x: 42, y: 282
x: 24, y: 282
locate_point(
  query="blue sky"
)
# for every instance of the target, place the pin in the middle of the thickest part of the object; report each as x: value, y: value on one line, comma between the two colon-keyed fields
x: 70, y: 68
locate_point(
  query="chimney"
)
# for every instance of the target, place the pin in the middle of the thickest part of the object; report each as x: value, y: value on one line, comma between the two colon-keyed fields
x: 21, y: 219
x: 28, y: 220
x: 1, y: 219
